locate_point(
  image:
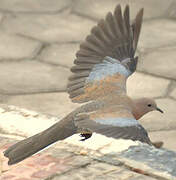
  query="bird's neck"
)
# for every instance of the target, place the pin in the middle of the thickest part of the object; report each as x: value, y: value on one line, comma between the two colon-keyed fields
x: 138, y: 109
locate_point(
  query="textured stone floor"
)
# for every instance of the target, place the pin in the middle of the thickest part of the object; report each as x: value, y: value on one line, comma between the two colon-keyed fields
x: 65, y: 161
x: 38, y: 40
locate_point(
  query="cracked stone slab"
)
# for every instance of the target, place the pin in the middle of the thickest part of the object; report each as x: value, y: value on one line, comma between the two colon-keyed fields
x: 58, y: 104
x: 160, y: 62
x: 63, y: 27
x: 17, y: 47
x: 34, y: 6
x: 96, y: 10
x: 156, y: 121
x: 168, y: 137
x: 31, y: 77
x: 62, y: 54
x: 159, y: 163
x: 142, y: 85
x: 157, y: 33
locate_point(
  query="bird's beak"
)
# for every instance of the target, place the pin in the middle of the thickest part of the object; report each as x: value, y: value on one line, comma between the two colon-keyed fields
x: 158, y: 109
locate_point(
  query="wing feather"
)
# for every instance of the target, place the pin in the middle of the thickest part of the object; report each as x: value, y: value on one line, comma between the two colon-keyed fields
x: 112, y: 38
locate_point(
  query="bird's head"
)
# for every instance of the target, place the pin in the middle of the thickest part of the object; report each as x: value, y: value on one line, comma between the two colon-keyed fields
x: 151, y: 105
x: 145, y: 105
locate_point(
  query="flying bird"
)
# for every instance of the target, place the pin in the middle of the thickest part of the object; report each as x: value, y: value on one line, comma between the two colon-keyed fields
x: 103, y: 63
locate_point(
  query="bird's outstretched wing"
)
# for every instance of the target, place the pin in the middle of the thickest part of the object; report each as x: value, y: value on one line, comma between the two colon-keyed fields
x: 106, y: 58
x: 119, y: 124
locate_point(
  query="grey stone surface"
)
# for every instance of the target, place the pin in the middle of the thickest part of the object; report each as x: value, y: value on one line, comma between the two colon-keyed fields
x: 157, y: 33
x: 142, y: 85
x: 98, y: 171
x: 160, y: 62
x: 3, y: 98
x: 98, y: 10
x: 156, y: 162
x: 95, y: 9
x: 62, y: 54
x: 16, y: 47
x: 171, y: 11
x: 156, y: 121
x: 142, y: 177
x: 168, y: 137
x: 58, y: 104
x: 129, y: 163
x: 152, y: 8
x: 63, y: 27
x: 30, y: 77
x: 34, y: 5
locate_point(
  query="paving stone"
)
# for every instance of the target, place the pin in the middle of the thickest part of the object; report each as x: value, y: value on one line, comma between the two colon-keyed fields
x: 98, y: 171
x: 157, y: 121
x: 150, y: 10
x: 160, y: 62
x: 33, y: 5
x: 173, y: 93
x: 3, y: 98
x: 63, y: 54
x: 103, y: 144
x: 171, y: 11
x: 157, y: 33
x: 58, y: 104
x: 160, y: 163
x: 16, y: 47
x: 20, y: 122
x: 31, y: 76
x: 41, y: 165
x: 142, y: 177
x: 168, y: 137
x: 63, y: 27
x: 142, y: 85
x: 96, y: 10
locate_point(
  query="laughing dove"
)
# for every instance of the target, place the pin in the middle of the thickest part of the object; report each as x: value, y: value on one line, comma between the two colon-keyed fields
x: 103, y: 64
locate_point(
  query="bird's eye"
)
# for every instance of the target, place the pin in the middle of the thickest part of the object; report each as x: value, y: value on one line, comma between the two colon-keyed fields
x: 149, y: 105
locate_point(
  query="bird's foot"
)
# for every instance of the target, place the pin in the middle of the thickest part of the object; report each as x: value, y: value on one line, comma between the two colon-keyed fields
x: 158, y: 144
x: 85, y: 136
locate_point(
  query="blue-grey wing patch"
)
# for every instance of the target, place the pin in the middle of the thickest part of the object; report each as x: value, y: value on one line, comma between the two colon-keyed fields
x: 108, y: 50
x: 109, y: 67
x: 125, y: 128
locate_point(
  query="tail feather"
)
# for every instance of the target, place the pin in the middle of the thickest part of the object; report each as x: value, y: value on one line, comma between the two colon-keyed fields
x: 32, y: 145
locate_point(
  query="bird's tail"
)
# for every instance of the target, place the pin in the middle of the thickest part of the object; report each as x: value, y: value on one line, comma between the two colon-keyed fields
x: 32, y: 145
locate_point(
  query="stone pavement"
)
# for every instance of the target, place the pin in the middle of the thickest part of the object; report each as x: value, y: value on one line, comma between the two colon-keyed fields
x: 38, y: 40
x: 96, y: 158
x: 64, y: 161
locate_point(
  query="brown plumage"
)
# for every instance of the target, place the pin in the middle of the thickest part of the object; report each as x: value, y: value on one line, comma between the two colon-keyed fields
x: 103, y: 64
